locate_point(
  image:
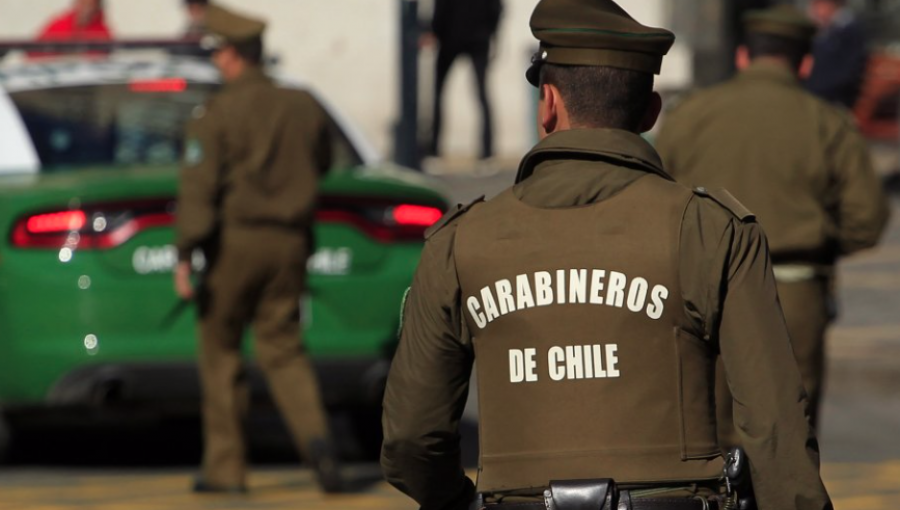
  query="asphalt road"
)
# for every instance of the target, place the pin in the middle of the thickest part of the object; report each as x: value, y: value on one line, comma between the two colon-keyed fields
x: 152, y: 468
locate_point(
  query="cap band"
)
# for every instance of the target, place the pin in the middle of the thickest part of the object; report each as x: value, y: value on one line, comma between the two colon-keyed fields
x: 631, y: 60
x: 211, y: 42
x: 780, y: 29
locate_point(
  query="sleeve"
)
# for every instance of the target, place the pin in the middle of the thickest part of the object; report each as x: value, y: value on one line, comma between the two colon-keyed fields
x: 495, y: 13
x: 862, y: 206
x: 440, y: 18
x: 428, y: 386
x: 739, y: 301
x: 54, y: 29
x: 200, y: 186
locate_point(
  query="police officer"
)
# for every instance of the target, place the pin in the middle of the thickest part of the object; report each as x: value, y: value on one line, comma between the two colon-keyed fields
x: 252, y: 160
x: 595, y: 294
x: 797, y: 162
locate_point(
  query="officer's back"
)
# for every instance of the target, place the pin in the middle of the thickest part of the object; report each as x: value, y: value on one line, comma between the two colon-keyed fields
x: 595, y: 295
x: 275, y: 149
x: 795, y: 160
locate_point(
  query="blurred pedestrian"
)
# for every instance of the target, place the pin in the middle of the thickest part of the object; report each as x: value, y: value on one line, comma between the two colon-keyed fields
x: 84, y: 21
x: 594, y: 295
x: 195, y: 29
x: 797, y: 162
x: 840, y: 53
x: 464, y: 28
x: 252, y: 161
x: 196, y: 12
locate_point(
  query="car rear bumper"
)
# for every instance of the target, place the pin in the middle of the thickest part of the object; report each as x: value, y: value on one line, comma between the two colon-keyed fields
x: 175, y: 388
x: 149, y: 397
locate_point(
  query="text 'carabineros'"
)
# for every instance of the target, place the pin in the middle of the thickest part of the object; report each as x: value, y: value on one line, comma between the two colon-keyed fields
x: 567, y: 287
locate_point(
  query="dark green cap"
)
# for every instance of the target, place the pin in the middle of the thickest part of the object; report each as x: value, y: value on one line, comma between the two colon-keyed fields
x: 595, y: 33
x: 227, y: 27
x: 783, y: 20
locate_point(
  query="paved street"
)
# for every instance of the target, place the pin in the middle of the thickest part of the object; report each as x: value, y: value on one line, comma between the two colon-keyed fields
x: 860, y: 444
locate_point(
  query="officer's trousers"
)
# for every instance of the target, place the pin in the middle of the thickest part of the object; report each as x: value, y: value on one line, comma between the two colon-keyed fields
x: 806, y: 306
x: 256, y: 278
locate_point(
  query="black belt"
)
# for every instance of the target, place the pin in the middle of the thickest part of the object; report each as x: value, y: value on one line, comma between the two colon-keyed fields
x: 636, y: 504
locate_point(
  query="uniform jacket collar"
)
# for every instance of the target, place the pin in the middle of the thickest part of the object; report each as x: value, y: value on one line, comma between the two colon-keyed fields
x: 762, y: 70
x: 613, y: 145
x: 250, y: 76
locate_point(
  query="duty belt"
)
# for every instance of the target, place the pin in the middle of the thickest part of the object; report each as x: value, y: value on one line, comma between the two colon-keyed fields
x: 600, y: 495
x: 629, y: 504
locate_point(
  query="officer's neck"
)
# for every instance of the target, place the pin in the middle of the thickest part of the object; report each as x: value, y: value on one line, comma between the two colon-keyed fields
x: 236, y: 70
x: 780, y: 63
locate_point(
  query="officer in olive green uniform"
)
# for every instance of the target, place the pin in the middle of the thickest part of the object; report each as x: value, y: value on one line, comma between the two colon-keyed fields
x: 797, y: 162
x: 252, y: 160
x: 595, y: 295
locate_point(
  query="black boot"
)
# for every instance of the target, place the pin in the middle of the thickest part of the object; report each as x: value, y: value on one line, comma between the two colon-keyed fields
x: 326, y: 464
x: 202, y: 487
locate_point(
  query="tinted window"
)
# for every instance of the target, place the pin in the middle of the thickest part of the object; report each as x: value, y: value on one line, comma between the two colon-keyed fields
x: 122, y: 125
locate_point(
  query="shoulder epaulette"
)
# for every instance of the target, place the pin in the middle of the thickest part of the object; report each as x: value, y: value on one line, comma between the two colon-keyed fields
x: 724, y: 198
x: 452, y: 214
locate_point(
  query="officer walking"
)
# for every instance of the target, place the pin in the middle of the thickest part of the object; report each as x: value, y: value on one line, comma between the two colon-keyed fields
x: 797, y: 162
x: 252, y: 161
x: 595, y: 294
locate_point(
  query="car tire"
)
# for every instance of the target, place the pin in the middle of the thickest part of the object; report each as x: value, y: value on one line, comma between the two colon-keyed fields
x: 5, y: 438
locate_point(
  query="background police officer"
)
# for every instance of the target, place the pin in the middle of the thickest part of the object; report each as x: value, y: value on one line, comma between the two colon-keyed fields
x: 595, y: 294
x: 797, y: 162
x: 248, y: 189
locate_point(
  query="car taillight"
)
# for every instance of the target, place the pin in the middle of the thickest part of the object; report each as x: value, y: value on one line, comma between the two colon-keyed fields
x: 108, y: 225
x: 163, y: 85
x: 380, y: 220
x: 416, y: 215
x: 96, y: 226
x: 56, y: 222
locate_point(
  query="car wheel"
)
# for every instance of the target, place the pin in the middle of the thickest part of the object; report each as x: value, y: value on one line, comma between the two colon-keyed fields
x: 367, y: 429
x: 5, y: 438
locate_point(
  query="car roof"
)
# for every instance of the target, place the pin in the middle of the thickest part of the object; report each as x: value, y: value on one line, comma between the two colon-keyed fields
x: 46, y: 73
x: 23, y: 74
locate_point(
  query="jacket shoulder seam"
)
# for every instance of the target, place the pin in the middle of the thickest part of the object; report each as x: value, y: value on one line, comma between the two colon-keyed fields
x: 725, y: 199
x: 452, y: 215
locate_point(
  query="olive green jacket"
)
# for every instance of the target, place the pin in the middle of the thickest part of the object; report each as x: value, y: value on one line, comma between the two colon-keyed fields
x: 730, y: 300
x: 253, y: 156
x: 797, y: 162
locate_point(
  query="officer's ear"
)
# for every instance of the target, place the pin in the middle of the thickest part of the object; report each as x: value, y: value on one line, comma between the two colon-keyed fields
x: 652, y: 114
x: 549, y: 110
x: 742, y: 58
x: 806, y: 67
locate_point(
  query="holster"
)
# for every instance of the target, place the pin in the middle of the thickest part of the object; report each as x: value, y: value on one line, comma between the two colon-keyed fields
x: 582, y: 495
x: 600, y: 494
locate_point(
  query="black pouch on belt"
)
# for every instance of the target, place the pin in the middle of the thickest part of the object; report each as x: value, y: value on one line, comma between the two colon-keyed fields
x: 582, y: 495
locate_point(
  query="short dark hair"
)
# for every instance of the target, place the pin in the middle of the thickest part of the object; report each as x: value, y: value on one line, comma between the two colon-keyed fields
x: 601, y: 96
x: 771, y: 45
x: 251, y: 51
x: 196, y: 2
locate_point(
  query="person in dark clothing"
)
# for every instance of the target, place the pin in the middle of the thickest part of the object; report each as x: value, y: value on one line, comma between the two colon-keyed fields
x: 840, y: 53
x: 465, y: 27
x: 196, y: 11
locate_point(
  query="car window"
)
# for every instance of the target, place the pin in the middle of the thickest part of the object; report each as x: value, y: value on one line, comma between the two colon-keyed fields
x: 123, y: 125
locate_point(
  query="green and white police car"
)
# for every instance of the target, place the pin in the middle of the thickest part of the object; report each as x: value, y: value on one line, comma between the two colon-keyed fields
x: 89, y: 323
